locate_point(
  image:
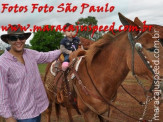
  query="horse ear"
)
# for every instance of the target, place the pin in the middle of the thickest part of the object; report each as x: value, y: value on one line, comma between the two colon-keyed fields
x: 125, y: 21
x: 138, y: 22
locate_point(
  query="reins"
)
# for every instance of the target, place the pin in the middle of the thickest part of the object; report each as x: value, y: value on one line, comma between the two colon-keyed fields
x: 133, y: 73
x: 133, y: 44
x: 104, y: 98
x: 140, y: 102
x: 101, y: 96
x: 147, y: 63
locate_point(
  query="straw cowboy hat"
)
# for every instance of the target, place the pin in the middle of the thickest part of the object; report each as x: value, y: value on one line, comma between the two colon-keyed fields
x: 10, y: 32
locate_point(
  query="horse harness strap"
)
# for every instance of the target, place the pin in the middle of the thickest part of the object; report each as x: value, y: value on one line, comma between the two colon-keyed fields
x: 140, y: 54
x: 147, y: 63
x: 89, y: 106
x: 107, y: 102
x: 143, y: 59
x: 141, y: 103
x: 85, y: 90
x: 133, y: 73
x: 99, y: 97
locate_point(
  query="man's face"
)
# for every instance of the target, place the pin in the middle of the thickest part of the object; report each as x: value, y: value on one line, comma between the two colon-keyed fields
x: 17, y: 42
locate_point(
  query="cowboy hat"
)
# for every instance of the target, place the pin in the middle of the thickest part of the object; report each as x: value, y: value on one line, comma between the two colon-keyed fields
x: 11, y: 31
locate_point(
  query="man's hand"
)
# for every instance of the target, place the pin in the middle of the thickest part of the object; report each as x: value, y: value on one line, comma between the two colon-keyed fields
x: 11, y: 119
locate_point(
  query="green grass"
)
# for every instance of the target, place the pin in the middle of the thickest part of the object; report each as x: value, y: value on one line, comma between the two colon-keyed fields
x: 1, y: 52
x: 42, y: 68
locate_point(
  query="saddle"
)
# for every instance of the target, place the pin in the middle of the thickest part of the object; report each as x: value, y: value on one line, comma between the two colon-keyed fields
x: 63, y: 79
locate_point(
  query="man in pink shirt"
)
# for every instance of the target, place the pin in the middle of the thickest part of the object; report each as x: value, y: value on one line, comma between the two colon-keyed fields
x: 22, y: 93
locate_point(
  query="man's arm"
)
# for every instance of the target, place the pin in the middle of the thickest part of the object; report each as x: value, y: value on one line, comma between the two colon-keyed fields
x: 4, y: 95
x: 45, y: 57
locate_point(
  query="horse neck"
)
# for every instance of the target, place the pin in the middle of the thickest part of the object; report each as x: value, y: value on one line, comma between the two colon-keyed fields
x: 109, y: 67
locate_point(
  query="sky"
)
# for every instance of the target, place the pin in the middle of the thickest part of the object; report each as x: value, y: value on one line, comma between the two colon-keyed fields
x: 149, y: 10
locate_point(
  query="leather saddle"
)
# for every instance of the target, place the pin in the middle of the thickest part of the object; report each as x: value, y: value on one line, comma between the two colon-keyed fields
x: 61, y: 83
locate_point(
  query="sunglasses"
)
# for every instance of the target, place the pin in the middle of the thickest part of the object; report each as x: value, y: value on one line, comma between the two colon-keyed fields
x: 16, y: 37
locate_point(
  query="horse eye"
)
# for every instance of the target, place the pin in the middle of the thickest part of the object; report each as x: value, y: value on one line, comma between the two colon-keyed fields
x: 151, y: 49
x: 161, y: 41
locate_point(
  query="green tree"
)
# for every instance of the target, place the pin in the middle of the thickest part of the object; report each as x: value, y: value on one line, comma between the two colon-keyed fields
x: 27, y: 46
x: 85, y: 22
x: 46, y: 40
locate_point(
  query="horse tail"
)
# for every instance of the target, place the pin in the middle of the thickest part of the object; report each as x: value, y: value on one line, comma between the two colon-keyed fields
x: 57, y: 110
x: 46, y: 70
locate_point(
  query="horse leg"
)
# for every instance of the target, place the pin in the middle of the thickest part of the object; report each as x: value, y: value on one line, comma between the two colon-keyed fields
x: 109, y: 112
x: 90, y: 116
x: 69, y: 114
x: 101, y: 118
x: 48, y: 112
x: 106, y: 114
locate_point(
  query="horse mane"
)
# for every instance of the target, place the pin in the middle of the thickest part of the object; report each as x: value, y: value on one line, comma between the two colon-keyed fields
x: 98, y: 45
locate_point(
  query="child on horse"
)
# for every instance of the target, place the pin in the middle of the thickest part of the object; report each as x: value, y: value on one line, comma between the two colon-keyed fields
x: 68, y: 44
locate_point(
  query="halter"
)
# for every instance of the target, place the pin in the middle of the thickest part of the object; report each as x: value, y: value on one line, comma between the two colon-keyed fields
x: 138, y: 48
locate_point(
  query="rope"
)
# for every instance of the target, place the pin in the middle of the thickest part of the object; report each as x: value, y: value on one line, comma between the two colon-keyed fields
x: 105, y: 99
x: 140, y: 102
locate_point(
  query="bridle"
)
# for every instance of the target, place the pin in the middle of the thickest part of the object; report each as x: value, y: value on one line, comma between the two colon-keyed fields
x: 133, y: 44
x: 139, y: 51
x: 138, y: 48
x: 142, y: 56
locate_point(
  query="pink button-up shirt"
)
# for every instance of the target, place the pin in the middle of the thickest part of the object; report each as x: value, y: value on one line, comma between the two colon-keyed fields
x: 22, y: 93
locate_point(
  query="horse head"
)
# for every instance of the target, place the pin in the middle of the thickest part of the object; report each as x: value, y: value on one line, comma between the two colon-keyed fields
x: 157, y: 32
x: 149, y: 44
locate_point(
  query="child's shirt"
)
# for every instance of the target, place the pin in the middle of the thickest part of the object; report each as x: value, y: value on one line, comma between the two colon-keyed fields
x: 69, y: 45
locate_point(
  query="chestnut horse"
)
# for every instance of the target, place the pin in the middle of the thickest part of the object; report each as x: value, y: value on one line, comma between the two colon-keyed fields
x: 105, y: 66
x: 49, y: 80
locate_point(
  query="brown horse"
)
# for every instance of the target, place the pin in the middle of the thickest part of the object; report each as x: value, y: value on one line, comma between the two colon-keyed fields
x: 106, y: 65
x: 86, y: 43
x: 49, y: 80
x: 114, y: 57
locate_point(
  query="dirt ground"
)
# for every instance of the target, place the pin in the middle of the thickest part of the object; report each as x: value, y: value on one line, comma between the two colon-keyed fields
x: 123, y: 102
